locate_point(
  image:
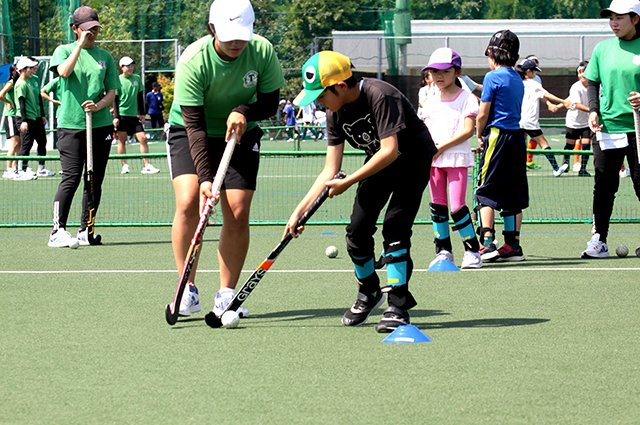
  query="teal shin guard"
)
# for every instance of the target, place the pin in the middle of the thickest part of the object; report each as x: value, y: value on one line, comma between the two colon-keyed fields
x: 440, y: 221
x: 510, y: 234
x: 364, y: 266
x: 398, y: 268
x: 464, y: 226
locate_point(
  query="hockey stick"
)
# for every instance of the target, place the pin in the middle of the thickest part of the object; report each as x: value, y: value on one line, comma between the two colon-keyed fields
x: 172, y: 311
x: 636, y: 122
x: 91, y: 237
x: 214, y: 321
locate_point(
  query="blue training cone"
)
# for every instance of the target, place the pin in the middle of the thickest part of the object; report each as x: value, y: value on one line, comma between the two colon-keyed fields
x: 406, y: 334
x: 443, y: 266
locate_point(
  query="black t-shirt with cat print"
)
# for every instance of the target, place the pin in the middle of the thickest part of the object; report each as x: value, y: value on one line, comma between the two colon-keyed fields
x: 381, y: 111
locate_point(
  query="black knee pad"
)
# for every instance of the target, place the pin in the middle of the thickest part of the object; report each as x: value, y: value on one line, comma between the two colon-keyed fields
x: 439, y: 213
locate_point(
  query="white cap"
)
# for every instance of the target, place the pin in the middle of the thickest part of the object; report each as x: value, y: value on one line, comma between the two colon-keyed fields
x: 232, y: 19
x: 25, y: 62
x: 126, y: 60
x: 621, y: 7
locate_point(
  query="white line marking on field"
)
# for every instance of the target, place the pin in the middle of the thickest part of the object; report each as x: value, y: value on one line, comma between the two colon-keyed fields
x: 490, y: 269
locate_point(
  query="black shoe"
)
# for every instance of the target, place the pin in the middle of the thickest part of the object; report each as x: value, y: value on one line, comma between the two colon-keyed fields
x: 392, y: 318
x: 362, y: 308
x: 584, y: 173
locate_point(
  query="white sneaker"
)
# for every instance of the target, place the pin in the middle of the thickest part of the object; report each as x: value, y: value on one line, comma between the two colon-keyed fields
x: 60, y: 238
x: 577, y: 166
x: 223, y: 298
x: 25, y: 176
x: 125, y: 169
x: 471, y: 260
x: 149, y: 169
x: 595, y: 248
x: 83, y: 237
x: 561, y: 169
x: 190, y: 301
x: 45, y: 172
x: 442, y: 255
x: 9, y: 174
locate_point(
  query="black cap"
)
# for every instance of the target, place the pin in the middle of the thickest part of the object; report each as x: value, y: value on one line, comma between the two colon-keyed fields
x: 85, y: 18
x: 504, y: 40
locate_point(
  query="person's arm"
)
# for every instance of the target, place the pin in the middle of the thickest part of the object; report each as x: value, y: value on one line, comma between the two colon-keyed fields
x: 481, y: 120
x: 45, y: 95
x: 196, y: 125
x: 593, y: 94
x: 116, y: 111
x: 332, y: 164
x: 91, y: 106
x: 24, y: 127
x: 8, y: 86
x: 550, y: 97
x: 141, y: 111
x: 463, y: 135
x: 65, y: 69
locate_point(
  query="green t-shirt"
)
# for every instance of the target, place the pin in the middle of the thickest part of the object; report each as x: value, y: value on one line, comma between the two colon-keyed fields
x: 203, y: 78
x: 24, y: 89
x: 128, y: 95
x: 94, y: 74
x: 8, y: 110
x: 615, y: 64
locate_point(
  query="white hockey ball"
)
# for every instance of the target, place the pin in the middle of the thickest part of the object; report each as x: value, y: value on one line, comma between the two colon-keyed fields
x: 622, y: 251
x: 230, y: 319
x: 331, y: 251
x: 74, y: 244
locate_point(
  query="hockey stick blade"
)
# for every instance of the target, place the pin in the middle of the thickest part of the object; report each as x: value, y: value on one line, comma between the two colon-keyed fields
x: 211, y: 318
x: 172, y: 310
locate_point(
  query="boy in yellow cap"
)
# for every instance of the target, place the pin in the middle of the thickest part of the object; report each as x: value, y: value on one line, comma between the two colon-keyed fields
x: 373, y: 116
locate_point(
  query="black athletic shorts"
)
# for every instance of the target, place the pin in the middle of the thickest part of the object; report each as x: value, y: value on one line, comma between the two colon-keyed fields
x: 131, y: 125
x: 533, y: 133
x: 243, y: 168
x: 11, y: 126
x: 502, y: 172
x: 577, y: 133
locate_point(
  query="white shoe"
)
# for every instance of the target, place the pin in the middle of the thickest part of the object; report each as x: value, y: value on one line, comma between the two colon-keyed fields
x: 442, y: 255
x: 9, y: 174
x: 625, y: 173
x: 45, y: 172
x: 290, y: 140
x: 190, y: 301
x: 595, y: 248
x: 83, y: 238
x: 561, y: 169
x: 149, y: 169
x: 577, y: 166
x: 223, y: 298
x: 25, y: 176
x: 60, y: 238
x: 471, y: 260
x: 125, y: 169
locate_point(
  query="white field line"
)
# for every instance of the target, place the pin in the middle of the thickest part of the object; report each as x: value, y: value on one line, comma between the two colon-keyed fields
x: 491, y: 269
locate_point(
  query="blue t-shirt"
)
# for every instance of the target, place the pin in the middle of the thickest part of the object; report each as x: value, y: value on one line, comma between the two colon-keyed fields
x: 291, y: 114
x: 152, y: 101
x: 504, y: 88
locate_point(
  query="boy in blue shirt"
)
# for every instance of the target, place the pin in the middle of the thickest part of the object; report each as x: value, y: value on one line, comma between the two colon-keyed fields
x: 502, y: 179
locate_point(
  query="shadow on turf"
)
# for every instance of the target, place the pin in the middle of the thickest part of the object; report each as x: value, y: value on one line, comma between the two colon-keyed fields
x: 151, y: 242
x: 296, y: 315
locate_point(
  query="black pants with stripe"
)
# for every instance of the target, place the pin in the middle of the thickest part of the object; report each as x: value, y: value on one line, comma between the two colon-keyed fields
x: 72, y: 145
x: 607, y: 180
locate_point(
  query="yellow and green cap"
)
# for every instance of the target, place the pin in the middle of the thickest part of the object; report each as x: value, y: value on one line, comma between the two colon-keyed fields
x: 322, y: 70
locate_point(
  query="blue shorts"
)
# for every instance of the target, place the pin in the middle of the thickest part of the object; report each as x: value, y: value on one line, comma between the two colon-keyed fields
x: 502, y: 175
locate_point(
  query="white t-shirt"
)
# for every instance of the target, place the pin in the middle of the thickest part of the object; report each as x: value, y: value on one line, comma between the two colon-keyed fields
x: 530, y: 116
x: 575, y: 117
x: 445, y: 118
x: 321, y: 117
x: 307, y: 113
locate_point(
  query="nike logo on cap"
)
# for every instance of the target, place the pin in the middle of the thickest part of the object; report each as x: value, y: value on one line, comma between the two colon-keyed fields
x: 237, y: 17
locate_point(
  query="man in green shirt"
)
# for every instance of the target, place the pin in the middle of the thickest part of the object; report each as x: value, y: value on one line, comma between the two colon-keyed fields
x: 128, y: 114
x: 89, y: 80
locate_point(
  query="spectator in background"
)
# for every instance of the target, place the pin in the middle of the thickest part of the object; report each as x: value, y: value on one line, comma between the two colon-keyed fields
x: 307, y: 113
x: 290, y: 119
x: 154, y: 100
